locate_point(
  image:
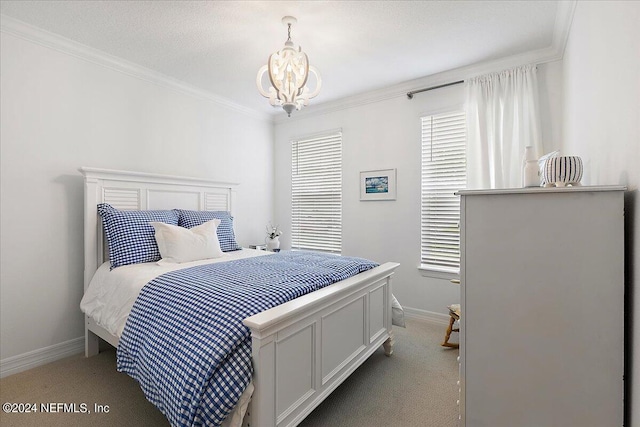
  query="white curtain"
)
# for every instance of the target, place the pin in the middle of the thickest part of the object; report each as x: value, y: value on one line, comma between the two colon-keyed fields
x: 502, y: 119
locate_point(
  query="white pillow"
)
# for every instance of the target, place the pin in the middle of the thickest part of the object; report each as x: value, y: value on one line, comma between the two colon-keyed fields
x: 178, y: 244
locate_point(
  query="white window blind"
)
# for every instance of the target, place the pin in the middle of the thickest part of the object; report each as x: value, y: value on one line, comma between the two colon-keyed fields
x: 443, y: 173
x: 316, y: 193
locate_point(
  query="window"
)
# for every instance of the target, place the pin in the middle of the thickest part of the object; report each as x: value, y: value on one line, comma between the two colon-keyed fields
x: 316, y: 193
x: 443, y: 173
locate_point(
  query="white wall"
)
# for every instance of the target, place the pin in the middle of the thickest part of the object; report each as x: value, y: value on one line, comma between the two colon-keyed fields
x: 602, y: 124
x: 383, y: 135
x: 60, y: 112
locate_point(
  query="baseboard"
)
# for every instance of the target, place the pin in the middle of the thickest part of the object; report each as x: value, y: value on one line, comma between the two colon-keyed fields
x: 427, y: 316
x: 22, y: 362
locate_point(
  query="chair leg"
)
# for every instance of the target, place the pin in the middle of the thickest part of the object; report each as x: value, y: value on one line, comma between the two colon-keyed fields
x: 446, y: 342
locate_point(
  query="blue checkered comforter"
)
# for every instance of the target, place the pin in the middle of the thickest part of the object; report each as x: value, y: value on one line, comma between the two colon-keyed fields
x: 185, y: 343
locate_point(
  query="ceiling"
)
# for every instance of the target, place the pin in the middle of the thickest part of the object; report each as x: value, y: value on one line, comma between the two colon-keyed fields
x: 357, y: 46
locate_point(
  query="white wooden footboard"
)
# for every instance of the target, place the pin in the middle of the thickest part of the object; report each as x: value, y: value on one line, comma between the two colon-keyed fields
x: 304, y: 349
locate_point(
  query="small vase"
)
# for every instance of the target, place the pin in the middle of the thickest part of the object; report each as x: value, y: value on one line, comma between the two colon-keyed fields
x: 530, y: 170
x: 273, y: 244
x: 561, y: 171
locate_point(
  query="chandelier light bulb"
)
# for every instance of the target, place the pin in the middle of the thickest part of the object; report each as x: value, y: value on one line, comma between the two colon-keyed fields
x: 288, y: 71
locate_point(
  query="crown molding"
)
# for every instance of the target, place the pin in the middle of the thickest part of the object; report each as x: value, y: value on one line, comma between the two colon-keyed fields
x: 564, y: 19
x: 554, y: 52
x: 400, y: 90
x: 67, y: 46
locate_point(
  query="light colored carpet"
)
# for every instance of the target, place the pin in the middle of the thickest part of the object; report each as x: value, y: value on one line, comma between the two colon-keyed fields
x: 414, y: 387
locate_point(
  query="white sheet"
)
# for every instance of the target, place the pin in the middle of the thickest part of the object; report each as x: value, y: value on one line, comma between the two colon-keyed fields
x: 111, y: 293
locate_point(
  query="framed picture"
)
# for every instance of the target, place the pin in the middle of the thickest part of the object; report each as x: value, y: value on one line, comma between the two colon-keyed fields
x: 378, y: 185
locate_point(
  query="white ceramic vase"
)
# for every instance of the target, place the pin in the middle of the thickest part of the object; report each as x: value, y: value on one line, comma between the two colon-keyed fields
x: 530, y: 171
x: 273, y: 243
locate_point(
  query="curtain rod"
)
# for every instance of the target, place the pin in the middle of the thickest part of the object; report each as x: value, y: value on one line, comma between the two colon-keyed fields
x: 413, y: 92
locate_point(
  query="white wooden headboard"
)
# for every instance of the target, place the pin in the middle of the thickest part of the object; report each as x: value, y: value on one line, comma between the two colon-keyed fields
x: 142, y: 191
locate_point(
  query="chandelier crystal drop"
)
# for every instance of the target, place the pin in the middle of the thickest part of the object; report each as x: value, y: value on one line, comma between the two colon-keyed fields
x: 288, y: 74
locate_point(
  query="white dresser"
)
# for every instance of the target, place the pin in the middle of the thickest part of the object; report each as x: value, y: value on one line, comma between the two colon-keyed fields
x: 542, y: 296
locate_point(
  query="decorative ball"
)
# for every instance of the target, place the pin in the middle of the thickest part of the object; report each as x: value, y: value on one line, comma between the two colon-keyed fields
x: 560, y: 171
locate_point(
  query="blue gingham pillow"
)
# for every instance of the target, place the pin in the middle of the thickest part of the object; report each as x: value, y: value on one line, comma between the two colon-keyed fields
x: 226, y: 236
x: 130, y: 237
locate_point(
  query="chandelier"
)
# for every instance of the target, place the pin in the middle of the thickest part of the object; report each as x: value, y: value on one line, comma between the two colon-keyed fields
x: 288, y: 73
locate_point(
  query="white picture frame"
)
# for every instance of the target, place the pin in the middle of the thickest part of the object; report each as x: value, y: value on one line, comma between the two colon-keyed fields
x: 378, y: 185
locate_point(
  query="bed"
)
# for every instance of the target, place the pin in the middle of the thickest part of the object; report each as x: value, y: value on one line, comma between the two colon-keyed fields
x: 325, y: 334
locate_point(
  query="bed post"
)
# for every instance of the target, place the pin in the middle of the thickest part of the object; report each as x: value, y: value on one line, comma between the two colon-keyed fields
x: 91, y: 341
x: 263, y: 404
x: 91, y: 248
x: 91, y: 245
x: 388, y: 344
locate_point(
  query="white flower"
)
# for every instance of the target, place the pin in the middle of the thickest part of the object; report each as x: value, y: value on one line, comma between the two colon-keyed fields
x: 273, y: 232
